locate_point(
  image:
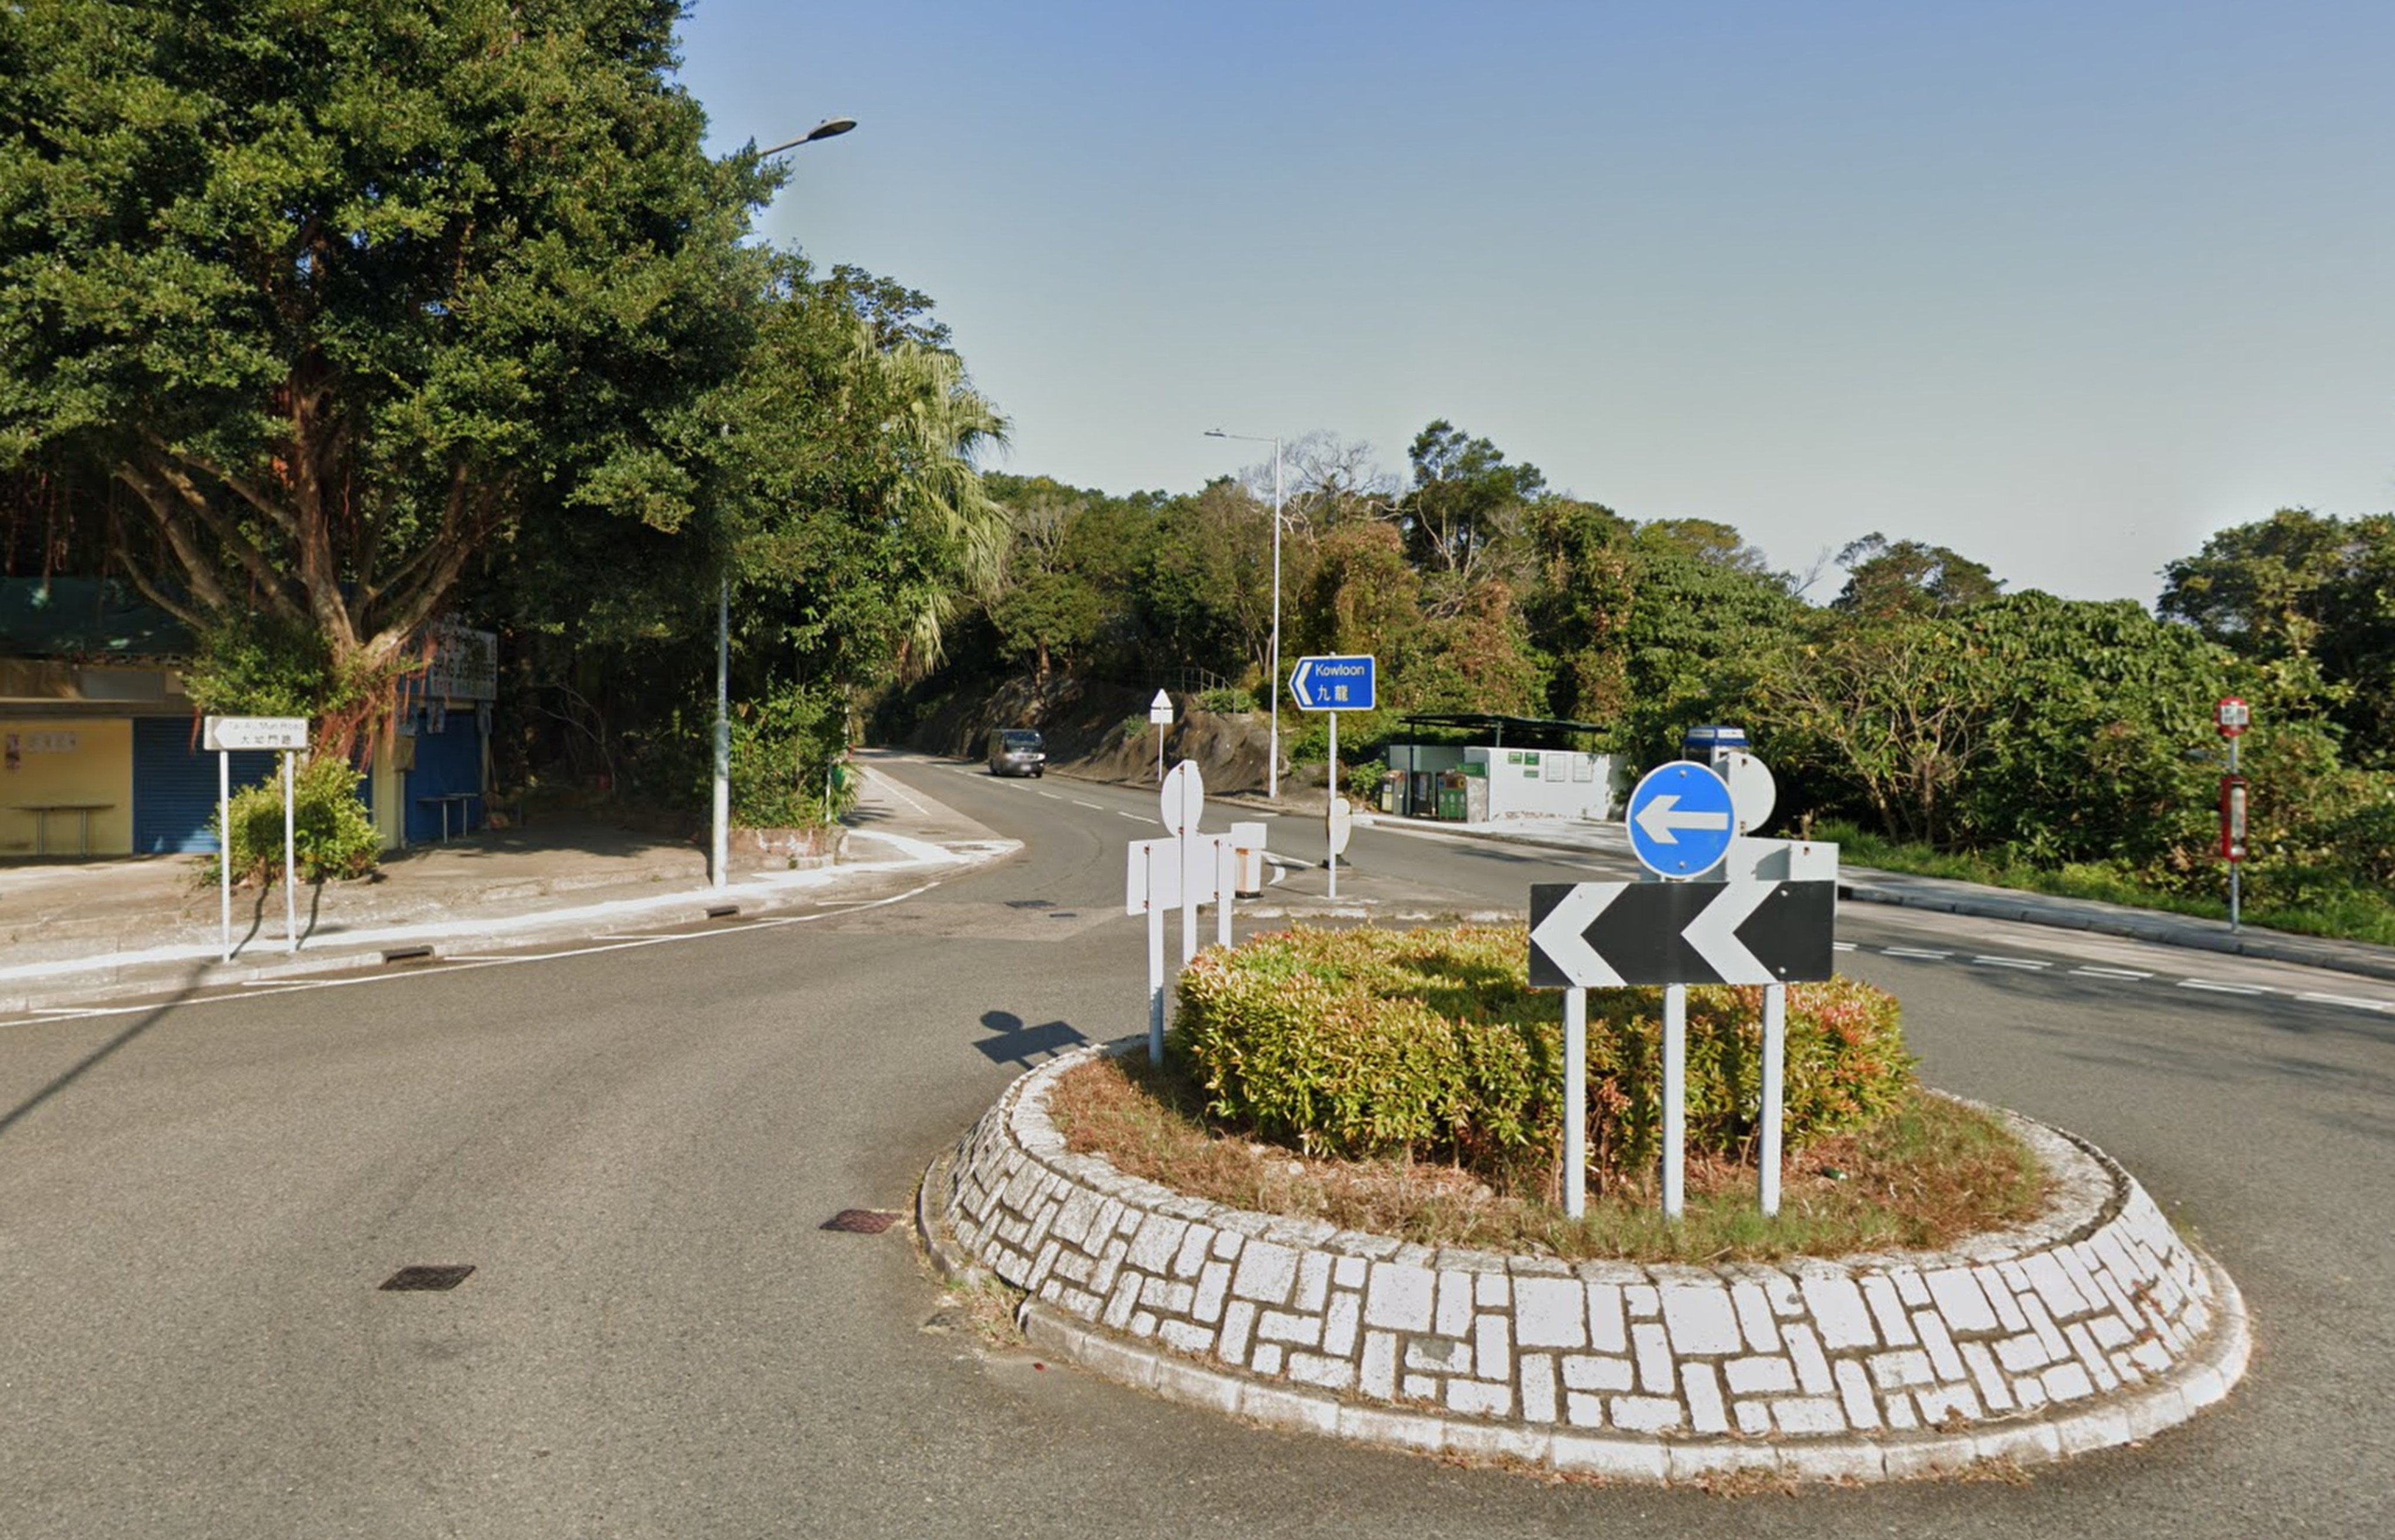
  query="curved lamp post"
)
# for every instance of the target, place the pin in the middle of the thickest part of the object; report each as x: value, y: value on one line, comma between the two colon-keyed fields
x: 718, y: 856
x: 1272, y: 682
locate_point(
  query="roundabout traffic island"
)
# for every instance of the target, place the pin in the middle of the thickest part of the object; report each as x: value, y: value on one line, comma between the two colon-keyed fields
x: 2089, y: 1324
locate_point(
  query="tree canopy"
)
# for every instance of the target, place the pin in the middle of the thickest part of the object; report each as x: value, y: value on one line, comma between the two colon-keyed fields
x: 340, y: 294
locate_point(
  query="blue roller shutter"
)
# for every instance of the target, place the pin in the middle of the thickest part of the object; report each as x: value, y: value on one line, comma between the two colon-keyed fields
x: 175, y: 785
x: 446, y: 762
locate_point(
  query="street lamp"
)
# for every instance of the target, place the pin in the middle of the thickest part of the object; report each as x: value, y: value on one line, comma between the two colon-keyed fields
x: 1272, y: 682
x: 719, y: 855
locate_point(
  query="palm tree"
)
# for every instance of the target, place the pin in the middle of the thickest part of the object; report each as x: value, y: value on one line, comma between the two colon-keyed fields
x: 937, y: 427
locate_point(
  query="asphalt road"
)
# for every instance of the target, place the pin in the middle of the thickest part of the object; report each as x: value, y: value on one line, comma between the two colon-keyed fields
x: 637, y: 1145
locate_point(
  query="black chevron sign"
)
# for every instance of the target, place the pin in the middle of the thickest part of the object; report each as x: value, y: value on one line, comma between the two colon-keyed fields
x: 1608, y: 934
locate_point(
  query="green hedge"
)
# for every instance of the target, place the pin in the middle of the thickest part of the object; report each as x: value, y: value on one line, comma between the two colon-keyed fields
x: 331, y: 835
x: 1432, y: 1044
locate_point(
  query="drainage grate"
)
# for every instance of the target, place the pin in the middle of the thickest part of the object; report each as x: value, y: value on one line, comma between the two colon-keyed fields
x: 1031, y: 903
x: 723, y: 912
x: 441, y: 1275
x: 407, y: 954
x: 861, y: 1221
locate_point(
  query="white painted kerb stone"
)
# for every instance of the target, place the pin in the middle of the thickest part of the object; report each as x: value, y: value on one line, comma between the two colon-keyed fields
x: 2096, y: 1325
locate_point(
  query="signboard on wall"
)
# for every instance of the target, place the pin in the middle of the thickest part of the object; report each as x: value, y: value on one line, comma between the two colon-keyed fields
x: 464, y: 665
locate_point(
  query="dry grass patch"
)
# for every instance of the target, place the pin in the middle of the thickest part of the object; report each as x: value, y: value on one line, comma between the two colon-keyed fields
x: 1929, y: 1172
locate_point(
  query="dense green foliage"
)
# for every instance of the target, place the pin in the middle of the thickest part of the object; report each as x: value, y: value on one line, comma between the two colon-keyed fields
x: 1432, y: 1042
x: 1921, y: 702
x: 331, y: 836
x: 320, y: 325
x: 337, y: 294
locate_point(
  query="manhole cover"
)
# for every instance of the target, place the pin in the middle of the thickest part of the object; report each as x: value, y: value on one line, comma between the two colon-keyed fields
x: 861, y: 1221
x: 445, y: 1276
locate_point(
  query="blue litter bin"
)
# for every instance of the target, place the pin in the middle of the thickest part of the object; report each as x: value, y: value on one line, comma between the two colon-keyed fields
x: 1702, y: 743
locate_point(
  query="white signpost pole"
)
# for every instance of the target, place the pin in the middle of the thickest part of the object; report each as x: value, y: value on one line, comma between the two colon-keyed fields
x: 1159, y: 716
x: 1154, y: 969
x: 1675, y: 1098
x: 1775, y: 1057
x: 290, y: 864
x: 1575, y: 1102
x: 224, y: 850
x: 224, y: 735
x: 1225, y: 880
x: 1329, y: 817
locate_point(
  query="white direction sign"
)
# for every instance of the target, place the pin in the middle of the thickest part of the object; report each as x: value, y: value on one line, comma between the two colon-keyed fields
x: 223, y: 734
x: 1341, y: 683
x: 1752, y: 792
x: 1157, y: 879
x: 1183, y: 800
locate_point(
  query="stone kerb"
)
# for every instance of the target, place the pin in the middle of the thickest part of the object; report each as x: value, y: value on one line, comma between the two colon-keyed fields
x: 2095, y: 1325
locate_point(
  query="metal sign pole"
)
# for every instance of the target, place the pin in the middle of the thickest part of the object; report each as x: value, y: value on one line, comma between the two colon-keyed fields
x: 1155, y: 970
x: 1189, y: 890
x: 1575, y: 1102
x: 1775, y: 1059
x: 290, y: 864
x: 1326, y: 815
x: 2235, y: 867
x: 1225, y: 880
x: 1676, y: 1097
x: 224, y: 850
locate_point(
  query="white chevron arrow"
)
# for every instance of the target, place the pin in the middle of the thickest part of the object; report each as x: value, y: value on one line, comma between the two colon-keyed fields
x: 1563, y: 935
x: 1713, y: 934
x: 1657, y: 819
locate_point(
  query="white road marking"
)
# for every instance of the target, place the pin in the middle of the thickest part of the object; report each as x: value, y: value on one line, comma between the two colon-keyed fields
x: 2011, y: 962
x: 1842, y: 946
x: 1053, y: 796
x: 2346, y: 999
x: 1915, y: 951
x: 2223, y: 988
x: 2111, y: 973
x: 1134, y: 817
x: 1094, y: 808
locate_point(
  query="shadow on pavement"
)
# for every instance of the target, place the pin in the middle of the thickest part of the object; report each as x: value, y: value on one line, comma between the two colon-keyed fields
x: 100, y: 1054
x: 1016, y: 1044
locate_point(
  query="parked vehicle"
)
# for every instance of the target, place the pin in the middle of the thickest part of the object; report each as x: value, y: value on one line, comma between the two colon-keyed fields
x: 1016, y: 752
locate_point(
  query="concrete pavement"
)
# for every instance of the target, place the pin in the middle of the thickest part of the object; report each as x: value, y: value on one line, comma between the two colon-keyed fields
x: 75, y: 931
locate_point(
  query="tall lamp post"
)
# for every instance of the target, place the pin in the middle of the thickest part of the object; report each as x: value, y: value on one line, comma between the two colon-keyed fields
x: 718, y: 856
x: 1272, y: 682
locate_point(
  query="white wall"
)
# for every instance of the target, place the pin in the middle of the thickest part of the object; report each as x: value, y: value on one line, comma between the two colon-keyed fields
x: 1546, y: 783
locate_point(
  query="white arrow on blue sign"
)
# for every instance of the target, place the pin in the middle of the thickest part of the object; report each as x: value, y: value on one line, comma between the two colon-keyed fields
x: 1332, y: 683
x: 1681, y: 819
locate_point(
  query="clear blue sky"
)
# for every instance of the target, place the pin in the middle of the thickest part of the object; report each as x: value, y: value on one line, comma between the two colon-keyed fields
x: 2065, y: 285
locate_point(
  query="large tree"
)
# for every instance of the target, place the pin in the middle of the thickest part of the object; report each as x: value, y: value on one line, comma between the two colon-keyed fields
x: 339, y: 293
x: 2310, y: 591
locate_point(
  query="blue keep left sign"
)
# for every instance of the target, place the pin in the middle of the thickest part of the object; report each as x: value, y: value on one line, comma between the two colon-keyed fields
x: 1332, y: 683
x: 1681, y: 819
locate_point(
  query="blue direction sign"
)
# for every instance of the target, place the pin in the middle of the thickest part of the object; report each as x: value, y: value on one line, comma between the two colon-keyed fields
x: 1332, y: 683
x: 1681, y: 819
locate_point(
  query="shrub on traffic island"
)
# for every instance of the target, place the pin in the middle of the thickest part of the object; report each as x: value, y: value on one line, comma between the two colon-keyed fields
x: 1431, y: 1044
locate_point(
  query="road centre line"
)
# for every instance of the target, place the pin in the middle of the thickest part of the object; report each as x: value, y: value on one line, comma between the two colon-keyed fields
x: 2224, y: 989
x: 2111, y: 973
x: 1915, y: 951
x: 1095, y: 807
x: 1842, y: 946
x: 2011, y: 962
x: 2346, y: 999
